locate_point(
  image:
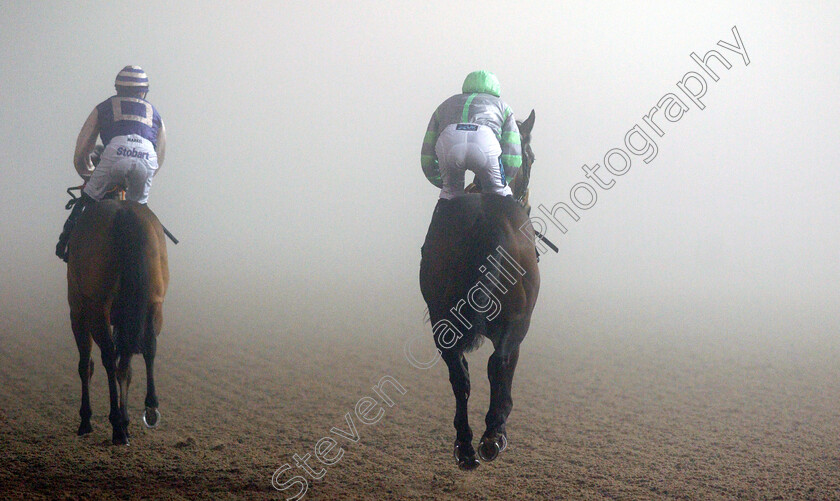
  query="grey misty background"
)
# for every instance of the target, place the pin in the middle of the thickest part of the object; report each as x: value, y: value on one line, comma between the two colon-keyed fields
x: 292, y: 176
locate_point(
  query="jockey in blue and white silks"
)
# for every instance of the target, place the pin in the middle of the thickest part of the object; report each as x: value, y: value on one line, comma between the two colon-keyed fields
x: 134, y: 138
x: 476, y: 131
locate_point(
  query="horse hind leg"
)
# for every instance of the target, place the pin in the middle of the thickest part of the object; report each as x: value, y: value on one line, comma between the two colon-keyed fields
x: 459, y: 377
x: 500, y: 370
x: 124, y: 380
x: 151, y: 414
x: 102, y: 335
x: 84, y: 344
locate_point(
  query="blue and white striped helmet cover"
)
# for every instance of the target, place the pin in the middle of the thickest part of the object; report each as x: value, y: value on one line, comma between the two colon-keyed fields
x: 132, y: 77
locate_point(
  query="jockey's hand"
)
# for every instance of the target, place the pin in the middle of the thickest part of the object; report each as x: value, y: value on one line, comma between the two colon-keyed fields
x: 474, y: 187
x: 96, y: 155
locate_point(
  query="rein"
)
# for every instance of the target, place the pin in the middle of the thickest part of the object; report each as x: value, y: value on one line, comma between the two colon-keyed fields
x: 73, y: 198
x: 524, y: 175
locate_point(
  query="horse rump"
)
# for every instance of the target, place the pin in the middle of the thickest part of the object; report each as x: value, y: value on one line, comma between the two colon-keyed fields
x: 465, y: 234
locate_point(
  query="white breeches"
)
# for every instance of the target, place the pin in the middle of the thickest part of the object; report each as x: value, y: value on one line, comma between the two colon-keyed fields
x: 474, y: 147
x: 129, y: 162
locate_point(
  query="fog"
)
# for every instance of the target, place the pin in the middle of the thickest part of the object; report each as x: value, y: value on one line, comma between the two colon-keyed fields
x: 292, y: 174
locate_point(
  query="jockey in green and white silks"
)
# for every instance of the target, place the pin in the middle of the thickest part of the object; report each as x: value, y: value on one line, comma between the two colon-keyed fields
x: 474, y: 131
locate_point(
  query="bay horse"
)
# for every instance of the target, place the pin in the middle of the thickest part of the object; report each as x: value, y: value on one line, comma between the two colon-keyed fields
x: 117, y: 275
x: 479, y: 278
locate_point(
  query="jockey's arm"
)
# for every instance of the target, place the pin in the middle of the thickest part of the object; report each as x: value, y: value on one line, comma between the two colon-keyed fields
x: 511, y: 148
x: 85, y: 144
x: 428, y: 158
x: 160, y: 147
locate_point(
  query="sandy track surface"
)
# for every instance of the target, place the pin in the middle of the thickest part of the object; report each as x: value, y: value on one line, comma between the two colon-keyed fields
x: 602, y: 418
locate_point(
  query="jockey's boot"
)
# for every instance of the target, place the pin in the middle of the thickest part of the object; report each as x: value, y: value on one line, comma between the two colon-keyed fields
x: 64, y: 238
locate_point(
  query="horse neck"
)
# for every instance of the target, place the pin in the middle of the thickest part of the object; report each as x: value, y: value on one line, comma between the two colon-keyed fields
x: 519, y: 183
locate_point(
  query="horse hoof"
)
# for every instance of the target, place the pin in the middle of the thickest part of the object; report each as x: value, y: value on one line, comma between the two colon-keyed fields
x: 84, y: 429
x: 153, y: 420
x: 466, y: 458
x: 489, y: 450
x: 119, y: 439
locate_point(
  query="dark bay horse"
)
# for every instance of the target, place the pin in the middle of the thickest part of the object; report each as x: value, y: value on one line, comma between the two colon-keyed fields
x: 117, y: 275
x: 479, y: 277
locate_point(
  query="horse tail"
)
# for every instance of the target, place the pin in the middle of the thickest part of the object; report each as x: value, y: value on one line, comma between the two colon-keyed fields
x: 480, y: 238
x: 485, y: 237
x: 133, y: 300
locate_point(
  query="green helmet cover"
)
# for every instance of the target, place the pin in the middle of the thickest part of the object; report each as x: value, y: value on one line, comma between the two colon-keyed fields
x: 482, y: 81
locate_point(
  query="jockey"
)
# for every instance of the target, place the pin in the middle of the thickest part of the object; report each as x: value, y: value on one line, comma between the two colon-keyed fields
x: 134, y: 138
x: 473, y: 131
